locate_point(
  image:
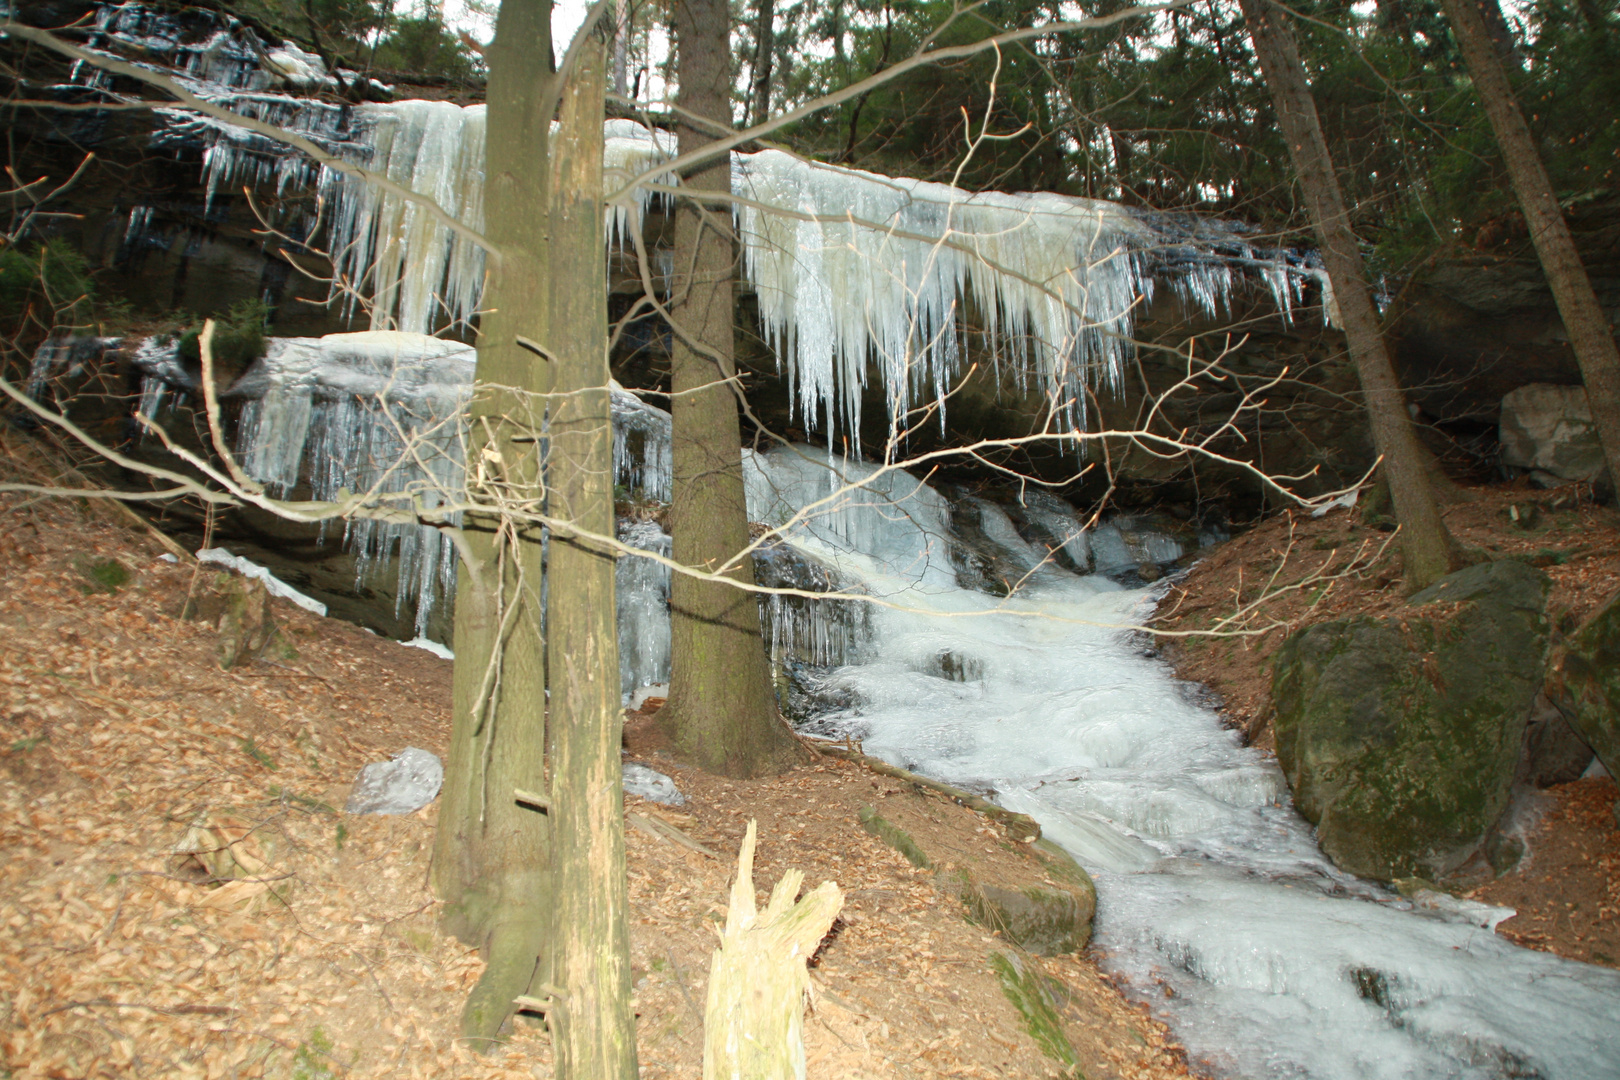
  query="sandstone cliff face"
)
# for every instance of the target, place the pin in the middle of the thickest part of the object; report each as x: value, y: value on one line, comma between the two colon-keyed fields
x: 1477, y: 325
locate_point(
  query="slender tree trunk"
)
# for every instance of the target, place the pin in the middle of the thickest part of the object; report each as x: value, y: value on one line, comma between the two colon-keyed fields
x: 1426, y: 547
x: 621, y: 48
x: 1590, y: 335
x: 489, y: 864
x: 722, y: 711
x: 764, y: 57
x: 593, y: 1029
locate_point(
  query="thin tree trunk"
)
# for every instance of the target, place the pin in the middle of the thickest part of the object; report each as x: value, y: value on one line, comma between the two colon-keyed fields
x: 593, y: 1029
x: 621, y: 48
x: 490, y: 865
x: 764, y: 57
x: 722, y: 711
x: 1426, y: 547
x: 1590, y: 335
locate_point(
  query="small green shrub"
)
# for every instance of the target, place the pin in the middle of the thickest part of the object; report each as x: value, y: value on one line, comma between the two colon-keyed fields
x: 106, y: 576
x: 238, y: 336
x: 49, y: 283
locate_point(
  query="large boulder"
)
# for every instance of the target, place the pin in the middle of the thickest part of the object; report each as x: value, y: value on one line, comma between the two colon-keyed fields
x: 1400, y: 736
x: 1584, y: 682
x: 1549, y: 428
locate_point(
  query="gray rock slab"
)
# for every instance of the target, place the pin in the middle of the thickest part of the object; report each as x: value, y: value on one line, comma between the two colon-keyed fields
x: 650, y: 784
x: 401, y: 786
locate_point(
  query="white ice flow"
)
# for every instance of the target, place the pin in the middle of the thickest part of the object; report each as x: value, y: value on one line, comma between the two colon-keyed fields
x: 1209, y: 883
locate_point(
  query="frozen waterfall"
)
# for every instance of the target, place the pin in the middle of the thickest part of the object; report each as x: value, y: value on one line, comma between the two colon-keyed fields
x: 1277, y: 964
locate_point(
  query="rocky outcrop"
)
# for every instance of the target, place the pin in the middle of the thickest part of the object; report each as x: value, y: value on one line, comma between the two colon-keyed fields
x: 1400, y: 737
x: 1475, y: 326
x: 1584, y: 682
x: 1549, y: 429
x: 1554, y: 752
x: 1044, y: 904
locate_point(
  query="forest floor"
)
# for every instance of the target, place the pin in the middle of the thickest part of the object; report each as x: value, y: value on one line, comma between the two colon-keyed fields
x: 123, y: 745
x: 1291, y: 571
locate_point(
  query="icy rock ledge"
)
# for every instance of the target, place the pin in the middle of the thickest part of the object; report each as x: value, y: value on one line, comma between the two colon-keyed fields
x: 401, y: 786
x: 650, y: 784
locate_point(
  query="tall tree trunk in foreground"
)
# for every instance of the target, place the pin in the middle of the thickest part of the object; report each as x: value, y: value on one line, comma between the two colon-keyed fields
x: 593, y: 1030
x: 1589, y: 333
x: 722, y: 709
x: 1426, y: 547
x: 489, y: 862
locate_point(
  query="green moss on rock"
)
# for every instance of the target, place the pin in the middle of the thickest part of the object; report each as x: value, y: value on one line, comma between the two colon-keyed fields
x: 895, y: 837
x: 1400, y: 736
x: 1584, y: 682
x: 1037, y: 997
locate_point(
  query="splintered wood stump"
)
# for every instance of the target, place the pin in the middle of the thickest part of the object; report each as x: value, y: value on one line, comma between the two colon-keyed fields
x: 754, y: 1022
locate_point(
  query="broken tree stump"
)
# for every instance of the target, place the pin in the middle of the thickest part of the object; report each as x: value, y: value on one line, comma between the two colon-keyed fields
x: 753, y: 1027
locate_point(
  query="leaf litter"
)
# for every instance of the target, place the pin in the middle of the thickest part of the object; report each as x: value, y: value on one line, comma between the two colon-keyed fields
x: 182, y: 897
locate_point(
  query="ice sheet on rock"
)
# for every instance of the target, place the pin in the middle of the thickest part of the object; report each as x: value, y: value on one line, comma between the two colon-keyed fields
x: 652, y: 690
x: 641, y: 447
x: 642, y: 587
x: 65, y: 355
x: 429, y: 645
x: 650, y: 784
x: 871, y: 523
x: 373, y: 411
x: 250, y: 569
x: 402, y: 785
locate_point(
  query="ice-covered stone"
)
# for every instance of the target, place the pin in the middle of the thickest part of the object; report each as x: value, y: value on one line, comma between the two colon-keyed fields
x: 248, y: 568
x: 650, y: 784
x: 403, y: 785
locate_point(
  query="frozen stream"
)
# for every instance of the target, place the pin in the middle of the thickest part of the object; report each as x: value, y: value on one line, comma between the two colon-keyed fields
x: 1209, y: 884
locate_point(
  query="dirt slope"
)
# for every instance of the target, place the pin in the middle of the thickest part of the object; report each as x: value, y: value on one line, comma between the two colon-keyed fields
x: 120, y: 738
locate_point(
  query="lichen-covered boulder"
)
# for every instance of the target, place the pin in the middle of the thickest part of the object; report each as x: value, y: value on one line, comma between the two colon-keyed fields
x: 1549, y: 428
x: 1400, y: 736
x: 1584, y: 682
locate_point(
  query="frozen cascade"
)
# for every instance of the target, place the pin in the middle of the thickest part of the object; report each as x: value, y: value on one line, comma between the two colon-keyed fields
x: 643, y: 598
x: 1209, y: 882
x: 382, y: 411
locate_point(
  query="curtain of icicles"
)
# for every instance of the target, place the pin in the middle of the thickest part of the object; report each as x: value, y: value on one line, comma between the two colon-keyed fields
x: 855, y: 273
x: 858, y: 276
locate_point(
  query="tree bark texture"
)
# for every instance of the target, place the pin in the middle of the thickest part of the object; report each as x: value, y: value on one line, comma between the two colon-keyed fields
x: 489, y: 863
x: 721, y: 713
x: 1427, y: 551
x: 593, y: 1028
x: 1590, y: 335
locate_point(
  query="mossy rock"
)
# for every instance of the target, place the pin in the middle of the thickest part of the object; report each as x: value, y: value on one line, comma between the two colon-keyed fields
x: 1400, y: 736
x: 895, y: 837
x: 1584, y: 682
x: 1037, y: 997
x: 1047, y: 919
x: 1043, y: 920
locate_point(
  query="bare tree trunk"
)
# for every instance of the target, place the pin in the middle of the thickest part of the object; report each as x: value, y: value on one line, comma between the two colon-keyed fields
x: 1590, y: 335
x: 621, y: 48
x: 1427, y: 550
x: 593, y: 1029
x: 490, y: 865
x: 722, y: 710
x: 764, y: 57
